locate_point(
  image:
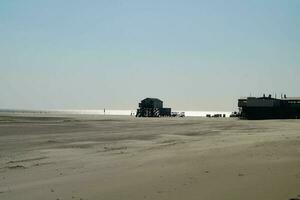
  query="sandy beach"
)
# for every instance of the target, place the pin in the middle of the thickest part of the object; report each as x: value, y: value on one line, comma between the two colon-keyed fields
x: 118, y: 158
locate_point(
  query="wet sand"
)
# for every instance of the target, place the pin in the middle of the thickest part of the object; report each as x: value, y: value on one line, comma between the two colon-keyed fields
x: 113, y: 158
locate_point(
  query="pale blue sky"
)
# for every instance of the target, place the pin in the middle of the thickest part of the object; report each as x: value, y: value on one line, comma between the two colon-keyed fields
x: 194, y: 55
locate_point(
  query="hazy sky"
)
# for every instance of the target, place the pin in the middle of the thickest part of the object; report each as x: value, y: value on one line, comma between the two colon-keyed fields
x: 194, y: 55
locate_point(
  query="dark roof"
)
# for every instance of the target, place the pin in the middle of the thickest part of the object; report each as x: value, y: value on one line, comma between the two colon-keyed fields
x: 153, y: 99
x: 266, y: 97
x: 291, y: 98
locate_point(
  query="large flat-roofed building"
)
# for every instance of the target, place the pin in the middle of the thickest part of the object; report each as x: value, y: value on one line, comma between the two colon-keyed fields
x: 152, y: 107
x: 269, y: 108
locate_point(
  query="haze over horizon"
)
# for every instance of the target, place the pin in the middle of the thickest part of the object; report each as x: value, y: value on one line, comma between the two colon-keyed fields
x: 194, y: 55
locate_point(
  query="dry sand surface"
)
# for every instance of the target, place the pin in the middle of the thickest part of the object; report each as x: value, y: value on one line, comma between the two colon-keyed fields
x: 124, y: 158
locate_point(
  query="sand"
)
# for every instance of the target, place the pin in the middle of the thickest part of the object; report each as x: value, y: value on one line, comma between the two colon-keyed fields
x: 120, y: 158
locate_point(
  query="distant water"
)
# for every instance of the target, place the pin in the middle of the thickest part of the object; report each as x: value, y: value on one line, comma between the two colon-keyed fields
x: 107, y: 112
x: 204, y: 113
